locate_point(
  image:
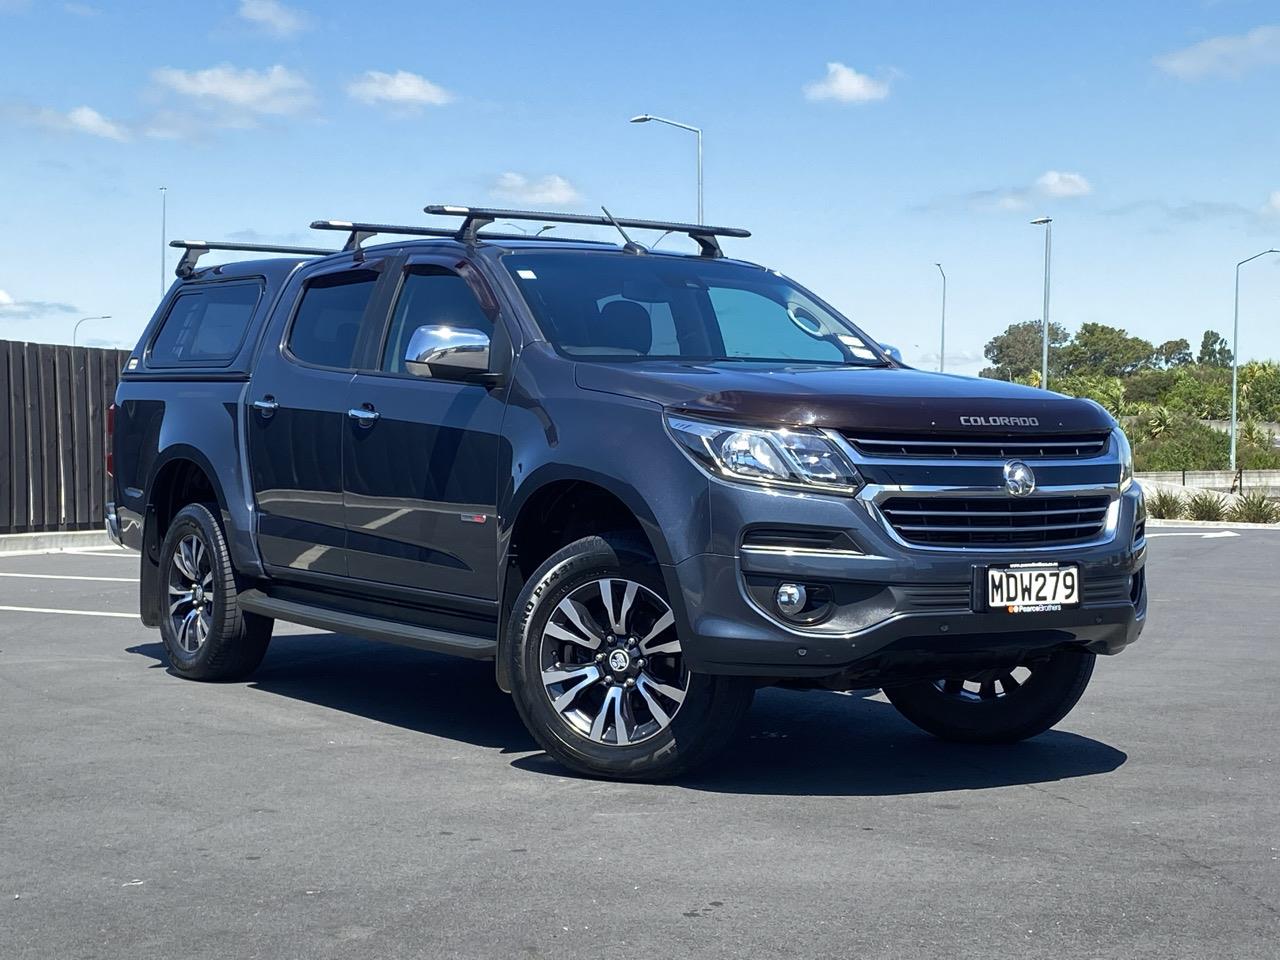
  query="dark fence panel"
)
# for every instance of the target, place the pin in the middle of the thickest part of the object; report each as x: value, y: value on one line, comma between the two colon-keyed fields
x: 53, y: 407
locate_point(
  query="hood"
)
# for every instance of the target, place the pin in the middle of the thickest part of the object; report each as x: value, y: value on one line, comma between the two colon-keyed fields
x: 847, y: 398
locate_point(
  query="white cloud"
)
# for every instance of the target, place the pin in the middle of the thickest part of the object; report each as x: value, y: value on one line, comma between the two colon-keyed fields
x: 272, y: 16
x: 1272, y: 207
x: 846, y: 85
x: 88, y: 120
x: 13, y: 309
x: 1055, y: 183
x: 400, y: 89
x: 1228, y: 56
x: 78, y: 120
x: 240, y: 94
x: 551, y: 189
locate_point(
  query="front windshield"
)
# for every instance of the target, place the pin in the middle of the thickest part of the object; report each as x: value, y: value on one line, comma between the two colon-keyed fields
x: 617, y: 306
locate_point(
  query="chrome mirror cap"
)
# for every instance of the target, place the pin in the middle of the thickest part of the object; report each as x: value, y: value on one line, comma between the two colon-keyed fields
x: 447, y: 353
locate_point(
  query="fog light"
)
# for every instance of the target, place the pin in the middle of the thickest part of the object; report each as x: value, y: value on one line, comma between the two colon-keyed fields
x: 791, y: 598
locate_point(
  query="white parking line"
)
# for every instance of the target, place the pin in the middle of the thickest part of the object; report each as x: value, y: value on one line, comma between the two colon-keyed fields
x: 63, y: 576
x: 74, y: 613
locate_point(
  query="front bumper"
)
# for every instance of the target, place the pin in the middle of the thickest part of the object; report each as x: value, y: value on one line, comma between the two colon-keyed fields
x: 899, y: 609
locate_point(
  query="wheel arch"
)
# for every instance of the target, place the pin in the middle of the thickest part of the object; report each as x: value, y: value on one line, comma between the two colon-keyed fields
x: 180, y: 476
x: 555, y: 511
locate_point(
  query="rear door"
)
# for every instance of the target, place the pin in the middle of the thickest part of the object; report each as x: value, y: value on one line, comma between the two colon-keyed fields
x: 421, y: 473
x: 297, y: 418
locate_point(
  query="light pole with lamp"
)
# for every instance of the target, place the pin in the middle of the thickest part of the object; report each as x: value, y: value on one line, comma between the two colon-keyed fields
x: 75, y: 332
x: 646, y: 118
x: 942, y: 340
x: 1235, y: 353
x: 164, y: 236
x: 1047, y: 223
x: 540, y: 231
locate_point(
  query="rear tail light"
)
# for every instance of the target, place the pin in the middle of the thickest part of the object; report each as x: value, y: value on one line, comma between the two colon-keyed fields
x: 111, y: 430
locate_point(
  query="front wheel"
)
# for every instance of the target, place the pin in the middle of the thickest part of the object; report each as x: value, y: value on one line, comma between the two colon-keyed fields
x: 1001, y: 705
x: 599, y: 673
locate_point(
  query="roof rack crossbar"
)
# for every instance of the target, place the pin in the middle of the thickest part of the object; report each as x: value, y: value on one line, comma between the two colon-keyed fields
x: 193, y: 250
x: 360, y: 232
x: 476, y: 217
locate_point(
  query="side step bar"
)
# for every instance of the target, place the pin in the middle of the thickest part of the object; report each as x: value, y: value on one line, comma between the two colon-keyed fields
x: 371, y: 628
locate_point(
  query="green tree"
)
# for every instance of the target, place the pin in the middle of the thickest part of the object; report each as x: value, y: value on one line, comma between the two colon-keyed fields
x: 1214, y: 351
x: 1015, y: 354
x: 1260, y: 390
x: 1174, y: 353
x: 1108, y: 391
x: 1098, y: 350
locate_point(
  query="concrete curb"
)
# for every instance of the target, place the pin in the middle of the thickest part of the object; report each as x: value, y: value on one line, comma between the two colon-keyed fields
x: 1211, y: 524
x: 15, y: 543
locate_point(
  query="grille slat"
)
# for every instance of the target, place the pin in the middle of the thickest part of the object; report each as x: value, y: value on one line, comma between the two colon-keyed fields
x: 983, y: 447
x: 977, y: 521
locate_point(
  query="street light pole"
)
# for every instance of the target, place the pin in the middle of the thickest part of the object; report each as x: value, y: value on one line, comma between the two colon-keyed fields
x: 1235, y: 354
x: 164, y: 235
x: 75, y: 332
x: 942, y: 339
x: 1047, y: 222
x: 646, y: 118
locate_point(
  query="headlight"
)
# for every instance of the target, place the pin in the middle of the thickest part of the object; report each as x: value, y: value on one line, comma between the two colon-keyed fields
x: 791, y: 457
x: 1126, y: 459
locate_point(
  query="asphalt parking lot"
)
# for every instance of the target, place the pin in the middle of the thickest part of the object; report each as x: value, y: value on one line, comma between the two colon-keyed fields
x: 358, y: 800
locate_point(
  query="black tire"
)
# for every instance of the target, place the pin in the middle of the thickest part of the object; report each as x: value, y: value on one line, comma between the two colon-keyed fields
x: 994, y: 713
x: 220, y: 641
x: 704, y: 722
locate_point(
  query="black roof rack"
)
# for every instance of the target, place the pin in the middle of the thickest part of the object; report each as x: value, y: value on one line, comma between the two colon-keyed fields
x: 358, y: 232
x: 476, y: 217
x: 195, y: 249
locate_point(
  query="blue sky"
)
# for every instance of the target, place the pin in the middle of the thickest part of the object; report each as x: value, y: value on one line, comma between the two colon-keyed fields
x: 861, y: 142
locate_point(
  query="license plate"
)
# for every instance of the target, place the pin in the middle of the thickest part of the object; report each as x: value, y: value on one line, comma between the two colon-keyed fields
x: 1033, y: 587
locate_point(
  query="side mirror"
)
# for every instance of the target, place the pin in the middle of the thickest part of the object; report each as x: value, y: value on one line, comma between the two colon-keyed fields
x: 448, y: 353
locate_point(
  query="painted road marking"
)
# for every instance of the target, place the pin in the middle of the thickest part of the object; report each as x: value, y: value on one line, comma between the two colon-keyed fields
x: 63, y: 576
x: 1214, y: 535
x: 74, y: 613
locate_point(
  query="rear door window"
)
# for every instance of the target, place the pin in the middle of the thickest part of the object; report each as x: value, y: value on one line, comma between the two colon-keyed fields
x: 205, y: 325
x: 327, y: 323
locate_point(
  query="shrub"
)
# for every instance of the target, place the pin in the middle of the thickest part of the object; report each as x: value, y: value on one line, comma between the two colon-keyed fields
x: 1182, y: 444
x: 1166, y: 505
x: 1255, y: 507
x: 1206, y: 505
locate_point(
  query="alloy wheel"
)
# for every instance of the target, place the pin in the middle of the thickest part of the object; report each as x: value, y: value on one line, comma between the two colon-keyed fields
x: 191, y: 593
x: 611, y: 662
x: 986, y: 686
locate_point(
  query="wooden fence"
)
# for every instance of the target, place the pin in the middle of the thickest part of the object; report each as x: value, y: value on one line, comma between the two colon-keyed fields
x: 53, y: 427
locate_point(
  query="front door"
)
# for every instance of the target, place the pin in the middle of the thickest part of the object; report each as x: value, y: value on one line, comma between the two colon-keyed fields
x: 421, y: 469
x: 297, y: 419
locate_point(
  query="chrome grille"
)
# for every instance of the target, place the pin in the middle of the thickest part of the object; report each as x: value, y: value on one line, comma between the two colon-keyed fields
x: 965, y: 521
x: 982, y: 447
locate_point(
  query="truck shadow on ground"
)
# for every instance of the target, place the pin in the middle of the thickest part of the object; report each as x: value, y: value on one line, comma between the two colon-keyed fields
x: 796, y: 743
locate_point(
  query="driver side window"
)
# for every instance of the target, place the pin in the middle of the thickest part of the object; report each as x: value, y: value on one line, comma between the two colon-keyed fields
x: 431, y: 296
x: 755, y: 326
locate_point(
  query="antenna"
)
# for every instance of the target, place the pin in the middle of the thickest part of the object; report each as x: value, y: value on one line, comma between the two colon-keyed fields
x: 630, y: 246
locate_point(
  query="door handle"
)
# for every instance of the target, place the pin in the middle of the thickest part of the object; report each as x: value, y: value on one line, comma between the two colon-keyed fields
x: 363, y: 416
x: 266, y: 406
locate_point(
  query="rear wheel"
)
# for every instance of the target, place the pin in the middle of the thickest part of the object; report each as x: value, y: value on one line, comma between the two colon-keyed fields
x: 1000, y: 705
x: 600, y: 677
x: 205, y: 633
